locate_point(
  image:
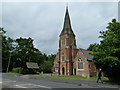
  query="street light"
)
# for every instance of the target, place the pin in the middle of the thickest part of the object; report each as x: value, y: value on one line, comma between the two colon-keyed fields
x: 9, y: 62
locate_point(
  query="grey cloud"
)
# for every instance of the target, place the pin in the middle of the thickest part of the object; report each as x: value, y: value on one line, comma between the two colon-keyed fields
x: 44, y: 22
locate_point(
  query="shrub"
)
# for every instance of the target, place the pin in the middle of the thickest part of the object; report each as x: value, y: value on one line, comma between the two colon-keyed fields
x: 18, y: 70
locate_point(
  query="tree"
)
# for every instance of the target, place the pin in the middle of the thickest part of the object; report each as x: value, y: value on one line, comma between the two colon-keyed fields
x: 92, y: 46
x: 47, y: 65
x: 7, y: 48
x: 26, y: 52
x: 107, y: 53
x: 15, y: 54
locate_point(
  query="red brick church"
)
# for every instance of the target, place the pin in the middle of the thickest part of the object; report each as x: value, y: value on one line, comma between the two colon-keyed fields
x: 70, y: 60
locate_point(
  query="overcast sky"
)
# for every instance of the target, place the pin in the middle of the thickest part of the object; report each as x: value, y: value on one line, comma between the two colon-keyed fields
x: 44, y: 21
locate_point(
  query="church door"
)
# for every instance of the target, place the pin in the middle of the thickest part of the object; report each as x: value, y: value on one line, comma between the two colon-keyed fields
x: 74, y: 71
x: 63, y: 70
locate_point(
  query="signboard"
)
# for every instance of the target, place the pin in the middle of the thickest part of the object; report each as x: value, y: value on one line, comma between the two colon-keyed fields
x: 32, y: 65
x: 56, y: 69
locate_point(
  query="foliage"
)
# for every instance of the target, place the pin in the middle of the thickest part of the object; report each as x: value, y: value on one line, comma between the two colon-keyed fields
x: 46, y: 67
x: 18, y: 70
x: 7, y: 47
x: 107, y: 53
x: 20, y: 51
x: 25, y: 52
x: 92, y: 46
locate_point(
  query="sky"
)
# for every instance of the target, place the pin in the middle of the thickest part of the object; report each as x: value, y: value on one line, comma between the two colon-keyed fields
x: 43, y: 21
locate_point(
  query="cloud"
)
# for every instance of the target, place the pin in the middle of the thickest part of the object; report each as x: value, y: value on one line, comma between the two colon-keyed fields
x: 44, y: 21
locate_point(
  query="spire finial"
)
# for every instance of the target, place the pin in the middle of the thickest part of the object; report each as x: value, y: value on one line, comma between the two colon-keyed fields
x: 66, y: 6
x: 67, y: 25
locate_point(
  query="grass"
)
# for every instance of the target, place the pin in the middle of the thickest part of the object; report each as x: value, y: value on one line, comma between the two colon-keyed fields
x: 73, y: 77
x: 11, y: 73
x: 67, y: 77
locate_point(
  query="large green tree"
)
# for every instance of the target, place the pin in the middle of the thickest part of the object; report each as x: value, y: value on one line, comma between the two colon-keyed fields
x: 26, y: 52
x: 7, y: 49
x: 92, y: 46
x: 47, y: 65
x: 107, y: 53
x: 15, y: 54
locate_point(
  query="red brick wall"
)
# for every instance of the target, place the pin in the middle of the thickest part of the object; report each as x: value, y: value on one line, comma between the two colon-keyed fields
x: 84, y: 71
x: 72, y: 54
x: 92, y: 69
x: 69, y: 52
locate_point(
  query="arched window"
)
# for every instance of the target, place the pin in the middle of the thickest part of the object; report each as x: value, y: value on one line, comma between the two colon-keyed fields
x: 63, y: 57
x: 71, y: 42
x: 80, y: 64
x: 63, y: 42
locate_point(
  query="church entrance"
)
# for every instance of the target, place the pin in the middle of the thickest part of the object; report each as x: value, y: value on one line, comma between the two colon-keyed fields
x: 63, y: 70
x: 74, y: 71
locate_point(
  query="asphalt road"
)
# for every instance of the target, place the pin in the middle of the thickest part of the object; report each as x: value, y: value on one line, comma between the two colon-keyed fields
x: 31, y: 82
x: 15, y: 81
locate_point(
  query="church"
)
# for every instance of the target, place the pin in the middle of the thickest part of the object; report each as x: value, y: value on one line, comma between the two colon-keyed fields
x: 70, y: 60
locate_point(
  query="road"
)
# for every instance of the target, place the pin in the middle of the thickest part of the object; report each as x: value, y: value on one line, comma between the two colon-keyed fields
x: 15, y: 81
x: 39, y: 82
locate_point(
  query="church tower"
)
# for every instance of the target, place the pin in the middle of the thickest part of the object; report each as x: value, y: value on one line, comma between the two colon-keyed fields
x: 70, y: 60
x: 67, y: 47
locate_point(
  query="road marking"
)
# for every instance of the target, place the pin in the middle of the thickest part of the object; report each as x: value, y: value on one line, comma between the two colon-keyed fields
x: 20, y: 86
x: 37, y: 86
x: 42, y: 86
x: 9, y: 81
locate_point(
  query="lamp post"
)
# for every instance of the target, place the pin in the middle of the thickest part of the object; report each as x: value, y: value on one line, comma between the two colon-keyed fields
x: 9, y: 62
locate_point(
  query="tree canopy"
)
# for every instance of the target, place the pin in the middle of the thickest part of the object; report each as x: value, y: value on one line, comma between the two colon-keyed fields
x: 107, y: 53
x: 92, y: 46
x: 22, y: 50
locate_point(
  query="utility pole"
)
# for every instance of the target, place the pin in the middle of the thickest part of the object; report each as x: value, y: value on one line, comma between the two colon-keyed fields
x: 9, y: 62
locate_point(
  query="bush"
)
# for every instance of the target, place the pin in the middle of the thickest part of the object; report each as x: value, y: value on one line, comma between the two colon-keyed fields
x: 18, y: 70
x: 31, y: 71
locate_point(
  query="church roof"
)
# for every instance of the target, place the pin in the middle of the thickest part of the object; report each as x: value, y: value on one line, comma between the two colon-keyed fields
x: 86, y: 53
x: 67, y: 25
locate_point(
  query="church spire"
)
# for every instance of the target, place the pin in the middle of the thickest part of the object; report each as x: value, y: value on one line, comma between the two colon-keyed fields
x: 67, y: 25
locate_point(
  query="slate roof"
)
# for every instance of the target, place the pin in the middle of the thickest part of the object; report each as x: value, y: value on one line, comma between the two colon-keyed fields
x: 67, y: 25
x: 86, y: 53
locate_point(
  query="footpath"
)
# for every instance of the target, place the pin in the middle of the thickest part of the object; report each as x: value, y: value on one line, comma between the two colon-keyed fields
x: 73, y: 81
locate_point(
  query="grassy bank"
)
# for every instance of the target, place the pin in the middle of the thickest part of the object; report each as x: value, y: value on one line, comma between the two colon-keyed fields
x: 67, y: 77
x: 11, y: 73
x: 73, y: 77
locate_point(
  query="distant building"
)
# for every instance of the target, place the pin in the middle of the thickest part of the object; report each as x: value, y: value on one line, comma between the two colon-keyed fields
x: 70, y: 60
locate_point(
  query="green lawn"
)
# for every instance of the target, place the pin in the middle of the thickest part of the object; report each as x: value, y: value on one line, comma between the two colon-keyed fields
x: 73, y: 77
x: 67, y: 77
x: 11, y: 73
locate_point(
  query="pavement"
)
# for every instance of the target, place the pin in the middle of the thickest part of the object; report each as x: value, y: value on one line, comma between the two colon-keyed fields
x: 33, y: 81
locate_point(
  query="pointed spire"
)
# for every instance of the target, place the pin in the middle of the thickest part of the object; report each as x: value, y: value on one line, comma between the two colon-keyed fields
x: 67, y: 25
